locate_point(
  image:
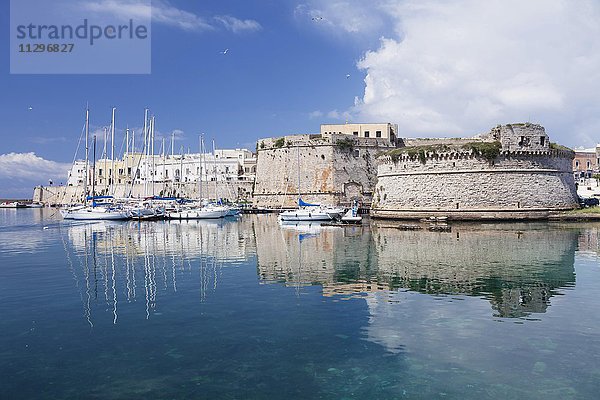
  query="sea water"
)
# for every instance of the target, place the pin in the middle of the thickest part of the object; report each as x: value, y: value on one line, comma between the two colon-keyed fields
x: 246, y: 308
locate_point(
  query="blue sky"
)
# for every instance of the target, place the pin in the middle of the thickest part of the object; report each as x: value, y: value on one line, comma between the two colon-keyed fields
x: 436, y: 68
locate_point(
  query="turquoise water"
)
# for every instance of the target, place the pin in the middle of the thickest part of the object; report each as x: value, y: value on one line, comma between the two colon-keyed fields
x: 248, y: 309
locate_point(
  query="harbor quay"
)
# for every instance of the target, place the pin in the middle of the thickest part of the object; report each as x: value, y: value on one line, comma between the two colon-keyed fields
x: 513, y: 171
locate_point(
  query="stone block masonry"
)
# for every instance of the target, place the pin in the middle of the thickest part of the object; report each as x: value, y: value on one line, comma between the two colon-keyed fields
x: 328, y: 169
x: 525, y: 177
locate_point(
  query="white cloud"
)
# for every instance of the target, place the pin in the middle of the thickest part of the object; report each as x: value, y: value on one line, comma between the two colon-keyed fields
x: 355, y: 17
x: 465, y: 66
x: 29, y: 166
x: 335, y: 114
x: 237, y: 25
x: 315, y: 114
x: 161, y: 11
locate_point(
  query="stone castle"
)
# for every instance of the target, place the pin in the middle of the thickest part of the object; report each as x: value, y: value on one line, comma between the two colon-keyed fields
x: 512, y: 172
x: 335, y: 166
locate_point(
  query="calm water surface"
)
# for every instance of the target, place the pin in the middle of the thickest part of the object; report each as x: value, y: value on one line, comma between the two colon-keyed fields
x: 248, y: 309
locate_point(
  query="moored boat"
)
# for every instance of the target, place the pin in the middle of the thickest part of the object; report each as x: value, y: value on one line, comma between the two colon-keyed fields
x: 12, y: 204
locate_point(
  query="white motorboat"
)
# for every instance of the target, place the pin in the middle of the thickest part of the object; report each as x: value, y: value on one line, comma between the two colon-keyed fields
x: 305, y: 214
x: 12, y: 204
x: 351, y: 217
x: 334, y: 212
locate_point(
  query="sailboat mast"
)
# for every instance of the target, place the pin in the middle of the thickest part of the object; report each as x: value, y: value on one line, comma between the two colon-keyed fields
x: 105, y: 157
x: 112, y: 151
x: 164, y: 165
x: 153, y: 160
x: 94, y: 173
x: 126, y: 155
x: 200, y: 168
x: 298, y: 156
x: 181, y: 170
x: 145, y: 151
x: 87, y: 134
x: 203, y: 161
x: 215, y: 169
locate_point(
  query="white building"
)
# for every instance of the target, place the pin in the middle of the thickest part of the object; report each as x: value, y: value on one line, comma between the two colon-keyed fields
x: 76, y: 174
x: 379, y: 130
x: 225, y: 165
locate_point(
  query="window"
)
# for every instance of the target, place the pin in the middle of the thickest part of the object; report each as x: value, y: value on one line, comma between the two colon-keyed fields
x: 356, y: 153
x: 377, y: 133
x: 577, y: 164
x: 542, y: 140
x: 100, y: 172
x: 355, y: 133
x: 129, y: 171
x: 366, y: 133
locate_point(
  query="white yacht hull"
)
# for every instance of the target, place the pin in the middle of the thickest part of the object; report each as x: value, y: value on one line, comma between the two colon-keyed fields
x: 92, y: 213
x: 304, y: 215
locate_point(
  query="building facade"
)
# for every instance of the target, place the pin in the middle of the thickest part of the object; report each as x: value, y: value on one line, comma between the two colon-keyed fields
x: 586, y: 162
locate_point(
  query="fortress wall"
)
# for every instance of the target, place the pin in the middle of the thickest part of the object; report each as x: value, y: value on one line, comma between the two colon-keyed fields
x: 463, y: 185
x: 334, y: 169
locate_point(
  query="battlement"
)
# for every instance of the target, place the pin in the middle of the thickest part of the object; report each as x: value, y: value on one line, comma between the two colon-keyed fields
x: 320, y: 139
x: 409, y: 154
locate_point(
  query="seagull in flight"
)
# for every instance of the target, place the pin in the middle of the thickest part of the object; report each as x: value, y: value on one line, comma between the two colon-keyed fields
x: 30, y: 108
x: 224, y: 51
x: 317, y: 18
x: 347, y: 76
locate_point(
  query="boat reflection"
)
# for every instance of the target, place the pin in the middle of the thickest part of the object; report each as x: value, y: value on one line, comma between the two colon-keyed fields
x: 114, y: 262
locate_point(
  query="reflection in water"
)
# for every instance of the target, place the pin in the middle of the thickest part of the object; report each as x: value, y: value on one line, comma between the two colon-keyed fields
x: 114, y: 262
x: 517, y: 267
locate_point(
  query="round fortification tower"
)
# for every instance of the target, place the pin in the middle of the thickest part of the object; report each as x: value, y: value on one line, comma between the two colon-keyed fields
x: 512, y: 172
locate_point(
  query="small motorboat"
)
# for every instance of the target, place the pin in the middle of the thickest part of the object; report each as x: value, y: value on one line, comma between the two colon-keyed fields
x: 351, y: 216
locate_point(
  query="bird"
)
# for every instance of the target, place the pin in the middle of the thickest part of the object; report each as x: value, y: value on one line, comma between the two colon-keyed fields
x: 30, y: 108
x: 224, y: 51
x: 347, y: 76
x: 317, y: 18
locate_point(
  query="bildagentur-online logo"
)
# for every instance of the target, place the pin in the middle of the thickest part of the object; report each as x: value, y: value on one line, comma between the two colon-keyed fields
x: 85, y: 30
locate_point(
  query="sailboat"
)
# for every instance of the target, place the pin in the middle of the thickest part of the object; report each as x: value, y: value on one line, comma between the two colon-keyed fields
x: 95, y: 211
